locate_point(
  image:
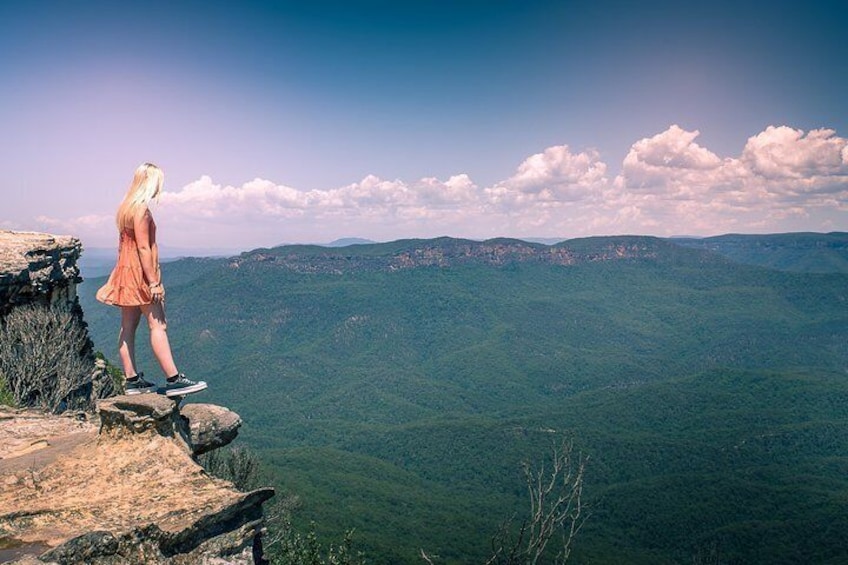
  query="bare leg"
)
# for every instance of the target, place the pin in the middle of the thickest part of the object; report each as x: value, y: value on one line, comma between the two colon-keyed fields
x: 155, y: 314
x: 130, y: 316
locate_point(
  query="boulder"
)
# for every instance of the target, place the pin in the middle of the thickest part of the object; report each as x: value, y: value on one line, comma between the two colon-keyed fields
x: 210, y: 426
x: 199, y: 427
x: 142, y: 414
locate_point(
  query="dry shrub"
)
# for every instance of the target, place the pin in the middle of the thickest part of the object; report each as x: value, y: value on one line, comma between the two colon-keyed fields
x: 44, y: 358
x: 239, y: 465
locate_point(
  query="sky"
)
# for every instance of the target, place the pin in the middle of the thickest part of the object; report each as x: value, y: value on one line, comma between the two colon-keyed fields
x: 306, y: 122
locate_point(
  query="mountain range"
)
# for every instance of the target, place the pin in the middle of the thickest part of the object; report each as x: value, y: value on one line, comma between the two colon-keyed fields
x: 398, y: 387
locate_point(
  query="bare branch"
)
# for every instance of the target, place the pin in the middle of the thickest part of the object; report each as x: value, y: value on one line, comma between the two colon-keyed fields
x: 556, y: 507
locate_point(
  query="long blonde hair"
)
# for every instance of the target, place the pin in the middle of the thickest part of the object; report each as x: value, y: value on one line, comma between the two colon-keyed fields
x: 146, y: 185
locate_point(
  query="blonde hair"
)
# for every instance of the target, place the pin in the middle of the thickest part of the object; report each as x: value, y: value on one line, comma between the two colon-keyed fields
x: 146, y: 185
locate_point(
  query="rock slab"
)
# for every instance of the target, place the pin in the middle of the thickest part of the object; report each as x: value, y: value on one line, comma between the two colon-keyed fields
x: 210, y: 426
x: 199, y: 427
x: 131, y: 493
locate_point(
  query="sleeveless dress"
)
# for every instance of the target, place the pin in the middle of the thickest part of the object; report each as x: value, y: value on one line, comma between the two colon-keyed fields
x: 126, y: 285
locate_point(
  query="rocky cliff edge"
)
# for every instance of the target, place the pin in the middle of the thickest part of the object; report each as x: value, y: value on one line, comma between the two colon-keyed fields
x: 124, y: 489
x: 38, y: 267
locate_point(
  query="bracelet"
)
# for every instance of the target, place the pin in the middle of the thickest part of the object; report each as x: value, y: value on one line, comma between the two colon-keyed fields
x: 154, y: 285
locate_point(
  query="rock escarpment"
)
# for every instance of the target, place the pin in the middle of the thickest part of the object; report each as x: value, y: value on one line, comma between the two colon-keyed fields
x: 446, y: 252
x: 40, y: 270
x: 122, y: 486
x: 126, y: 491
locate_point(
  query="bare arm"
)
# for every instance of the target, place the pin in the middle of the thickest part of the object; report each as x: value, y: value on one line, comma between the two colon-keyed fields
x: 141, y: 226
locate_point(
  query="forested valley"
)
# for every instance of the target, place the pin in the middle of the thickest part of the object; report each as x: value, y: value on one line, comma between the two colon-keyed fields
x: 396, y: 389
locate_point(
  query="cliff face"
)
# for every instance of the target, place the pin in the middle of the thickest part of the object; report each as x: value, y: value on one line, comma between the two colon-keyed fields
x: 126, y: 491
x: 40, y: 270
x: 123, y: 486
x: 449, y: 252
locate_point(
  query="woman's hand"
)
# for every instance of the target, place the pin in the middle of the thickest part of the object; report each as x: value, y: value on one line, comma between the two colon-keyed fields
x: 157, y: 291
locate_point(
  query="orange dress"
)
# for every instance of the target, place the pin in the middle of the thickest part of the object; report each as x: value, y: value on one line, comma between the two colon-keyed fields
x: 127, y: 285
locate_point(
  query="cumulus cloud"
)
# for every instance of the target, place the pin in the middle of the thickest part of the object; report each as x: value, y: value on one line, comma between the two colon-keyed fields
x: 667, y: 184
x: 205, y: 199
x: 264, y: 198
x: 666, y: 162
x: 558, y: 174
x: 372, y: 207
x: 783, y: 180
x: 785, y: 153
x: 89, y: 227
x: 457, y: 190
x: 782, y: 173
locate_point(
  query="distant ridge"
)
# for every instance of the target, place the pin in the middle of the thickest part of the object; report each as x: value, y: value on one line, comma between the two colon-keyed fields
x: 798, y: 252
x: 448, y: 252
x: 347, y: 241
x: 544, y: 240
x: 795, y: 252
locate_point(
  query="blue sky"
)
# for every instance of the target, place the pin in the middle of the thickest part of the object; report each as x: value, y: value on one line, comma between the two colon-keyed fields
x: 310, y: 121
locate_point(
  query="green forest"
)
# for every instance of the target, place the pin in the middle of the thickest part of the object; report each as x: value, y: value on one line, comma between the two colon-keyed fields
x: 399, y: 397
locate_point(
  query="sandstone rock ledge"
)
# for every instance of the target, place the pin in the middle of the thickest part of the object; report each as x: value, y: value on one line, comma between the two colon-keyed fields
x: 130, y: 492
x: 37, y: 267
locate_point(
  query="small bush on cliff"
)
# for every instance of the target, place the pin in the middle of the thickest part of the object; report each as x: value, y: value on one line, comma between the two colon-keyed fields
x: 293, y: 548
x: 113, y: 377
x: 42, y: 361
x: 237, y: 464
x: 6, y: 396
x: 283, y: 544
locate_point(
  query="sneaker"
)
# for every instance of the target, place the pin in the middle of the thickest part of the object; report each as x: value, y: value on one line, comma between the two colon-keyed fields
x: 138, y: 386
x: 181, y: 386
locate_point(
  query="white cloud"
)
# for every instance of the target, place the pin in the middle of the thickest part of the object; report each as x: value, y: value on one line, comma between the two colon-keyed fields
x: 90, y: 229
x: 667, y: 163
x: 263, y: 198
x: 785, y: 153
x: 205, y: 199
x: 782, y: 174
x: 457, y: 190
x: 555, y: 175
x: 783, y: 180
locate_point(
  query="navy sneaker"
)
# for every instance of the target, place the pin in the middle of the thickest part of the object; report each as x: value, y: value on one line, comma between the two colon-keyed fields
x: 182, y: 386
x: 138, y: 385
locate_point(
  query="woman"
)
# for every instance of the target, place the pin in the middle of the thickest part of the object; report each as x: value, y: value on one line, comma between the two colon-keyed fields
x: 136, y: 286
